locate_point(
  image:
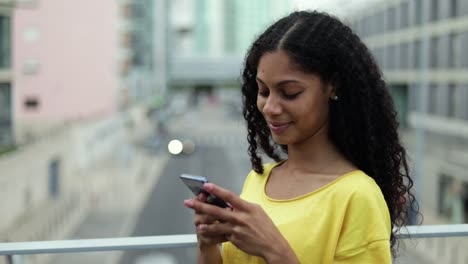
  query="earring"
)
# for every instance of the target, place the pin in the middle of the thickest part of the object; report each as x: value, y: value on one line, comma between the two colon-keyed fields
x: 334, y: 98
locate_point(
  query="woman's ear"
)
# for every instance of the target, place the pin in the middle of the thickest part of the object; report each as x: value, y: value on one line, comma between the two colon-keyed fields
x: 332, y: 92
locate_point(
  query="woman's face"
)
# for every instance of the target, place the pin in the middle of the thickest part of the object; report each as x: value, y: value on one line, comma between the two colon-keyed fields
x: 294, y: 104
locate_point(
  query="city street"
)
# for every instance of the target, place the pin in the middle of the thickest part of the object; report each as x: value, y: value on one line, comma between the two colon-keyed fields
x: 219, y: 156
x: 90, y: 109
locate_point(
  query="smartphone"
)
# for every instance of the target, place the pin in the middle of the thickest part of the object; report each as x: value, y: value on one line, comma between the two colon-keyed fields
x: 195, y: 184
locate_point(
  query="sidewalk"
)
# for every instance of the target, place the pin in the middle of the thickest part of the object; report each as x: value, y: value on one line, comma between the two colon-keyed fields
x: 115, y: 192
x: 97, y: 201
x: 114, y: 211
x: 214, y: 119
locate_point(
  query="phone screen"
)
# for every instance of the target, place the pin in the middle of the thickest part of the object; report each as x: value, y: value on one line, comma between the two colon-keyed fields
x: 195, y: 184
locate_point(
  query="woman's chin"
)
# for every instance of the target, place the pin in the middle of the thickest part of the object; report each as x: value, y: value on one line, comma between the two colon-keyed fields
x: 281, y: 140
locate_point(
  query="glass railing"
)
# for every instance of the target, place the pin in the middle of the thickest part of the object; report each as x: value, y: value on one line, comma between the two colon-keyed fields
x: 15, y: 250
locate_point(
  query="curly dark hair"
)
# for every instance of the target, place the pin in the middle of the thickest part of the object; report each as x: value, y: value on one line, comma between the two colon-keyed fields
x: 363, y: 123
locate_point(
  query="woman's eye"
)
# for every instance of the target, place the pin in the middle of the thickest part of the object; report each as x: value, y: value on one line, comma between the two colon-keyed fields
x: 263, y: 93
x: 291, y: 96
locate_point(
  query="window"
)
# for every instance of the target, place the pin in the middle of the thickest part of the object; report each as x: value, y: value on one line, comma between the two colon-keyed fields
x: 452, y: 100
x: 363, y: 27
x: 453, y: 60
x: 31, y: 103
x: 404, y: 56
x: 379, y: 20
x: 379, y: 56
x: 400, y: 98
x: 453, y: 199
x: 414, y: 97
x: 462, y: 101
x: 391, y: 19
x: 462, y: 50
x: 229, y: 27
x: 5, y: 38
x: 462, y: 8
x: 434, y: 11
x: 432, y: 107
x: 417, y: 54
x: 359, y: 27
x: 5, y: 115
x: 391, y: 57
x: 434, y: 52
x: 367, y: 26
x: 404, y: 15
x: 418, y: 12
x: 453, y: 8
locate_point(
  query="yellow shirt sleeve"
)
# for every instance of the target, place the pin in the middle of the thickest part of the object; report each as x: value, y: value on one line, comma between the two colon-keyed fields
x: 366, y: 229
x: 374, y: 252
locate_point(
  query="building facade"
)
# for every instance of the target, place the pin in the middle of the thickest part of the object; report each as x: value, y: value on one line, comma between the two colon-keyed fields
x: 209, y: 39
x: 145, y: 78
x: 65, y: 68
x: 244, y: 20
x: 68, y: 69
x: 213, y: 28
x: 6, y: 78
x: 422, y: 47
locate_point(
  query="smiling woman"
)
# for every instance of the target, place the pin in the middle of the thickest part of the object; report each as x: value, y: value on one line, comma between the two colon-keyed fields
x: 294, y: 104
x: 314, y: 95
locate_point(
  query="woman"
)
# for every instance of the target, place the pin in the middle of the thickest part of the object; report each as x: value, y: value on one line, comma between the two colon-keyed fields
x: 314, y: 101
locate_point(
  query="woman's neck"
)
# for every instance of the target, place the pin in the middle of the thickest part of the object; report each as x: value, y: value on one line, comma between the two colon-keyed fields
x: 317, y: 154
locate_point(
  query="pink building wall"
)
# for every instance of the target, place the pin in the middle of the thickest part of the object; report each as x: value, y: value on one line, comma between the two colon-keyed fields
x: 75, y: 45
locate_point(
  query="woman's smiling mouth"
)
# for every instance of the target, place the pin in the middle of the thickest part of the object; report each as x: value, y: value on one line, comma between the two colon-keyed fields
x: 277, y: 127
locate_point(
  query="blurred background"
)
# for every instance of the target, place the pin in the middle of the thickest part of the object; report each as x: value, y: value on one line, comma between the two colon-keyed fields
x: 92, y: 93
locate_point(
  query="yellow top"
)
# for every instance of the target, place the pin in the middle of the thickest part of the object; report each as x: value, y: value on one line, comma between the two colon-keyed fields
x: 345, y: 221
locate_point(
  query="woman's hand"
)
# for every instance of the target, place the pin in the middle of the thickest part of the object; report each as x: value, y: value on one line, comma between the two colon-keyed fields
x: 201, y: 221
x: 247, y: 226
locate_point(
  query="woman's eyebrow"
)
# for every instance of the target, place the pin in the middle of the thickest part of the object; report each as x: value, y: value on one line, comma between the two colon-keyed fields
x: 280, y: 83
x: 260, y: 80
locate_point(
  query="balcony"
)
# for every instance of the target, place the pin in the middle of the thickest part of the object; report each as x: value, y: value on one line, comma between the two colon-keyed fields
x: 19, y: 249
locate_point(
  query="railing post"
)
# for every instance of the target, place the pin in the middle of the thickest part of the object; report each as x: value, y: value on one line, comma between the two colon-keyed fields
x: 15, y: 259
x: 9, y: 259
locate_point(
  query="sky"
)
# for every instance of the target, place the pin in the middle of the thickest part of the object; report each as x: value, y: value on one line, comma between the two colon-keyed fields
x: 335, y: 7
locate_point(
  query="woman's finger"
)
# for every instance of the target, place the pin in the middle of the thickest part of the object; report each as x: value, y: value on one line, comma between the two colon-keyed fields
x: 219, y: 232
x: 226, y: 195
x: 203, y: 219
x: 212, y: 240
x: 200, y: 217
x: 216, y: 229
x: 201, y: 197
x: 207, y: 209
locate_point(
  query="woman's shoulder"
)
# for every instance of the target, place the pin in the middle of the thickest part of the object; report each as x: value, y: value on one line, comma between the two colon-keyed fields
x: 367, y: 212
x: 267, y: 168
x: 364, y: 200
x: 357, y: 179
x: 254, y: 176
x: 358, y: 185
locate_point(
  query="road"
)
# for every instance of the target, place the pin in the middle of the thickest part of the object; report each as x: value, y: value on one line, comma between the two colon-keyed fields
x: 220, y: 156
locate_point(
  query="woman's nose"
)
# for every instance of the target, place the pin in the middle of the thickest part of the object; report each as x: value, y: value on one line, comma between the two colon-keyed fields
x: 272, y: 106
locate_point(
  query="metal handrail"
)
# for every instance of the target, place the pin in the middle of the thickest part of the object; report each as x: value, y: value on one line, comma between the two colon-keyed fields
x: 431, y: 231
x: 99, y: 244
x: 178, y: 241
